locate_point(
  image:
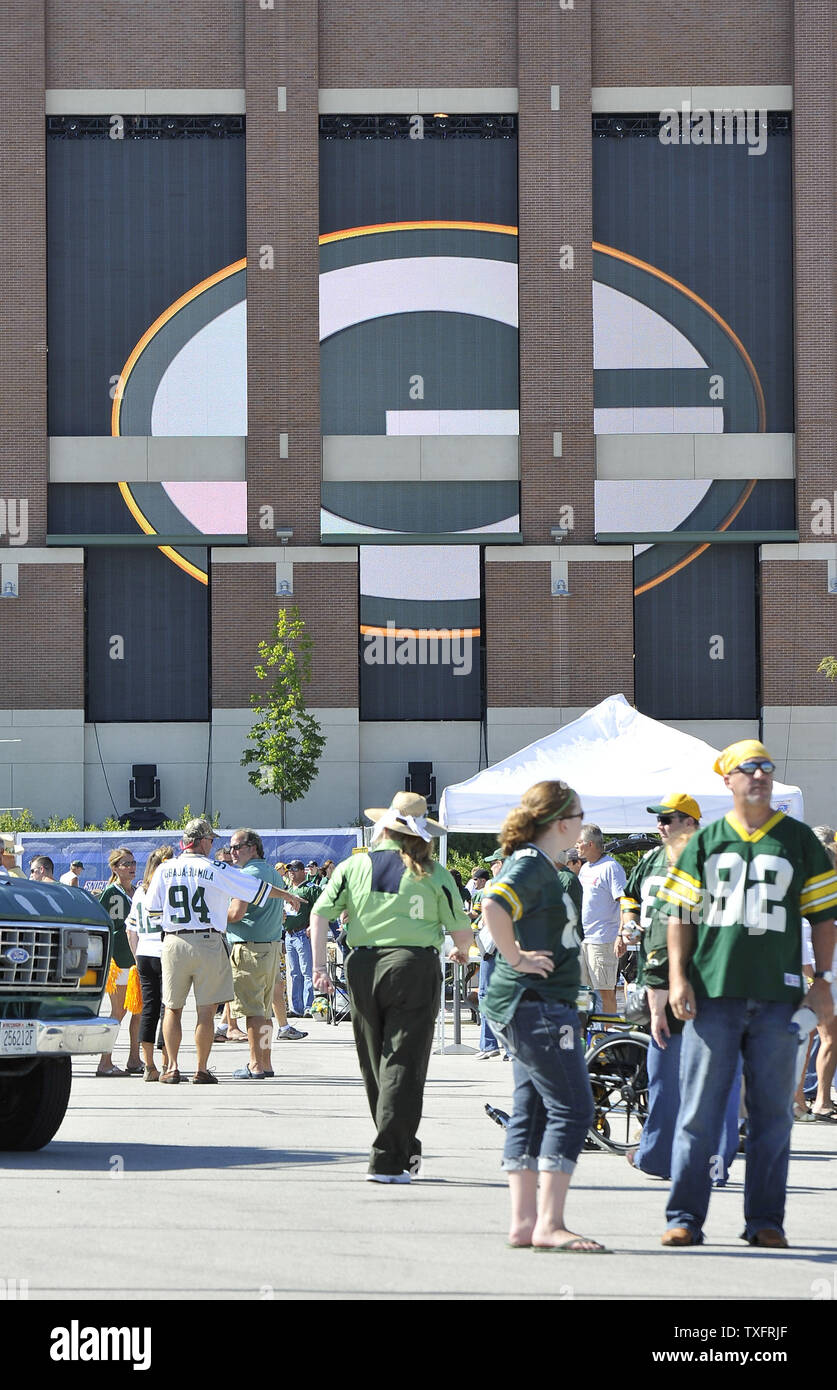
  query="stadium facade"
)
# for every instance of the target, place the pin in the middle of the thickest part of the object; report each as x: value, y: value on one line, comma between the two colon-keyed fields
x: 498, y: 336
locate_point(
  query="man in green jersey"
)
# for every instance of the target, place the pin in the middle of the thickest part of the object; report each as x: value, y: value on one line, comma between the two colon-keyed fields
x: 737, y: 896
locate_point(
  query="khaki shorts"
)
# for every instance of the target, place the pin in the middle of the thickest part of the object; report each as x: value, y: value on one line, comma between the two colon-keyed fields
x: 201, y: 960
x: 599, y: 965
x: 254, y: 968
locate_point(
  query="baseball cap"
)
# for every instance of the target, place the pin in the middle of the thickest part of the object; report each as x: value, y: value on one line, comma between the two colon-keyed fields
x: 296, y: 864
x: 492, y: 858
x: 676, y: 801
x: 312, y: 864
x: 76, y: 864
x: 197, y: 829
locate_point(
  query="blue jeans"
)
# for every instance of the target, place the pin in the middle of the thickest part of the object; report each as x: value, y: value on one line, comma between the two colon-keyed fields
x: 488, y: 1042
x: 300, y: 977
x: 723, y: 1029
x: 553, y: 1103
x: 654, y: 1152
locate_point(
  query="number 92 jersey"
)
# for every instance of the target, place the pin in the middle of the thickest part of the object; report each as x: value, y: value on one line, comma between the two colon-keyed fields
x: 191, y: 893
x: 747, y: 893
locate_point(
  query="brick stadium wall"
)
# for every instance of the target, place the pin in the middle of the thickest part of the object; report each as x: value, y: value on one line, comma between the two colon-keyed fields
x: 799, y: 628
x: 390, y: 43
x: 43, y: 640
x: 244, y: 608
x: 160, y: 43
x: 666, y: 43
x: 283, y: 348
x: 815, y: 258
x: 23, y: 422
x: 545, y: 651
x: 556, y: 305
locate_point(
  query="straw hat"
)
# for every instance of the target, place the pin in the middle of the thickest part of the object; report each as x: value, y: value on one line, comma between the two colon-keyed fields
x: 407, y: 815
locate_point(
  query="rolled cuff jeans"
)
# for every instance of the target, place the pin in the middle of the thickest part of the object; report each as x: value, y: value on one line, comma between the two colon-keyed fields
x: 553, y: 1103
x: 758, y: 1030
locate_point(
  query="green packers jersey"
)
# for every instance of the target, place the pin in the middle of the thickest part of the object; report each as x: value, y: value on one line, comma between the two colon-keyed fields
x: 640, y: 897
x: 117, y: 905
x: 546, y: 919
x: 747, y: 892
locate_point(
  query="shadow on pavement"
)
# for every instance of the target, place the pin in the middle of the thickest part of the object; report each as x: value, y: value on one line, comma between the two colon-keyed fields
x: 167, y: 1158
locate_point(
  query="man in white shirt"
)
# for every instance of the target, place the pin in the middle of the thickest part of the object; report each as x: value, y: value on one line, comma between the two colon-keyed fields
x: 189, y: 898
x: 73, y: 875
x: 602, y: 882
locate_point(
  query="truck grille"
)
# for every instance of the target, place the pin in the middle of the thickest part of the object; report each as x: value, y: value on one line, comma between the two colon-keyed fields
x: 41, y: 970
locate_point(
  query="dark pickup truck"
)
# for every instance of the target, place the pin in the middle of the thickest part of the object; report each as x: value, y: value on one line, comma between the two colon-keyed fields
x: 55, y: 945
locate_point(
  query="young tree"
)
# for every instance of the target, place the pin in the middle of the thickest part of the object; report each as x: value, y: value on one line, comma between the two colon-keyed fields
x: 287, y: 741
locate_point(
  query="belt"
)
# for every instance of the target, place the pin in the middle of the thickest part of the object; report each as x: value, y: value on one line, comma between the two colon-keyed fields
x: 193, y: 931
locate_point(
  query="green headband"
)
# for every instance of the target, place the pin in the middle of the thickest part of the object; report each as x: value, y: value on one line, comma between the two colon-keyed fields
x: 547, y: 820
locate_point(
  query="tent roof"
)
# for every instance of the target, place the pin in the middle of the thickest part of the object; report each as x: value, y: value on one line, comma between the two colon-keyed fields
x: 618, y: 760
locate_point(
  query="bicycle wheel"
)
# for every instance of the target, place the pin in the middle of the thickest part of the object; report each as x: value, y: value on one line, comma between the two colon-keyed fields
x: 618, y: 1071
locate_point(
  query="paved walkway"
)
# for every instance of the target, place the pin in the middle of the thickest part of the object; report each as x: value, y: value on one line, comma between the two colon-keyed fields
x: 259, y: 1189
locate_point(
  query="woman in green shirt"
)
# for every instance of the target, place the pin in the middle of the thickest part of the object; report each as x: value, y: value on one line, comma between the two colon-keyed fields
x: 531, y: 1007
x: 116, y: 900
x: 400, y: 903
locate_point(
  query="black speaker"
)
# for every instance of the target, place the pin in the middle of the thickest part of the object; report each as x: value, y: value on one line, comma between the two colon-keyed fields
x: 420, y: 779
x: 144, y: 786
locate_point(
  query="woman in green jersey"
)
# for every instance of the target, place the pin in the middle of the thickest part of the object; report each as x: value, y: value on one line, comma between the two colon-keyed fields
x: 530, y: 1004
x: 116, y: 900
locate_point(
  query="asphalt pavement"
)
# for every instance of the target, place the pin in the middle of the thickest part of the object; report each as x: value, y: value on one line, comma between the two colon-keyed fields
x: 258, y: 1189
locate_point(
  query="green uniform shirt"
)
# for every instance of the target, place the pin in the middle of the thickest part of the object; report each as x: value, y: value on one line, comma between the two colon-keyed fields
x: 308, y: 893
x: 546, y: 918
x: 117, y: 905
x: 748, y: 892
x: 262, y: 923
x: 644, y: 882
x: 387, y: 906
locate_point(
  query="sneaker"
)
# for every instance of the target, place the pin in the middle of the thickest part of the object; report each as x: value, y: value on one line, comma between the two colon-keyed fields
x: 488, y: 1052
x: 289, y: 1035
x: 401, y: 1178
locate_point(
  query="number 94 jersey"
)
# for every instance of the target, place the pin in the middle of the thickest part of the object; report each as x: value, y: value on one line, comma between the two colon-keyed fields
x: 747, y: 893
x: 191, y: 893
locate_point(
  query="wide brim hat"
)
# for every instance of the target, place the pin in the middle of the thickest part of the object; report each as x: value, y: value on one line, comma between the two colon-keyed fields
x: 405, y: 807
x: 9, y: 845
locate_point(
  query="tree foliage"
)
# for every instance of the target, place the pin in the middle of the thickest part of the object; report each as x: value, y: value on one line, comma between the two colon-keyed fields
x: 287, y: 741
x: 828, y: 666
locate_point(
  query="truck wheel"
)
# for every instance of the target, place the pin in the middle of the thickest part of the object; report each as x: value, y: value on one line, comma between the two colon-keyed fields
x: 33, y: 1104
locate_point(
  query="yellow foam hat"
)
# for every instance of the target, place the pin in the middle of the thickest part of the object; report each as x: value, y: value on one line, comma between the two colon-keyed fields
x: 739, y: 753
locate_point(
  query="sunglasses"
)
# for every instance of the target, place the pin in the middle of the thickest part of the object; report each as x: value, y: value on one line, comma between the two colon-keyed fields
x: 754, y: 764
x: 235, y: 848
x: 666, y: 820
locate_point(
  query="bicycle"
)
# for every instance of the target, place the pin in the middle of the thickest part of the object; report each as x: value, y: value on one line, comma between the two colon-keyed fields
x: 617, y: 1064
x: 616, y: 1053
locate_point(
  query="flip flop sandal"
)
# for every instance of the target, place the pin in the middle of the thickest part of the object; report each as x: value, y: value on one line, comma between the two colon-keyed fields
x: 575, y: 1246
x: 135, y: 1071
x: 111, y: 1071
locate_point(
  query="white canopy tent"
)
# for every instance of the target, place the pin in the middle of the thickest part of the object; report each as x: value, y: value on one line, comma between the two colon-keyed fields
x: 618, y: 760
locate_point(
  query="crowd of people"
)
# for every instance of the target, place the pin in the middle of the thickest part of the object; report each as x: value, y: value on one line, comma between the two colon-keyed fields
x: 732, y: 923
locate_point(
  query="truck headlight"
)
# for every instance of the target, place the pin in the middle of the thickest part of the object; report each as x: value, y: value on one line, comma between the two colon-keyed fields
x: 95, y: 949
x: 75, y: 953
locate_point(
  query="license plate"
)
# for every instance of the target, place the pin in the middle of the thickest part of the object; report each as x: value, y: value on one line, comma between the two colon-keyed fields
x: 17, y: 1038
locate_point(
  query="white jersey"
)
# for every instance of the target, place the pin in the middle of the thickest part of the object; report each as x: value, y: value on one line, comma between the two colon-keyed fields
x: 192, y: 893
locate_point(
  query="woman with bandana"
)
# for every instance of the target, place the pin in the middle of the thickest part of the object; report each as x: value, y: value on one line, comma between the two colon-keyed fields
x: 400, y: 904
